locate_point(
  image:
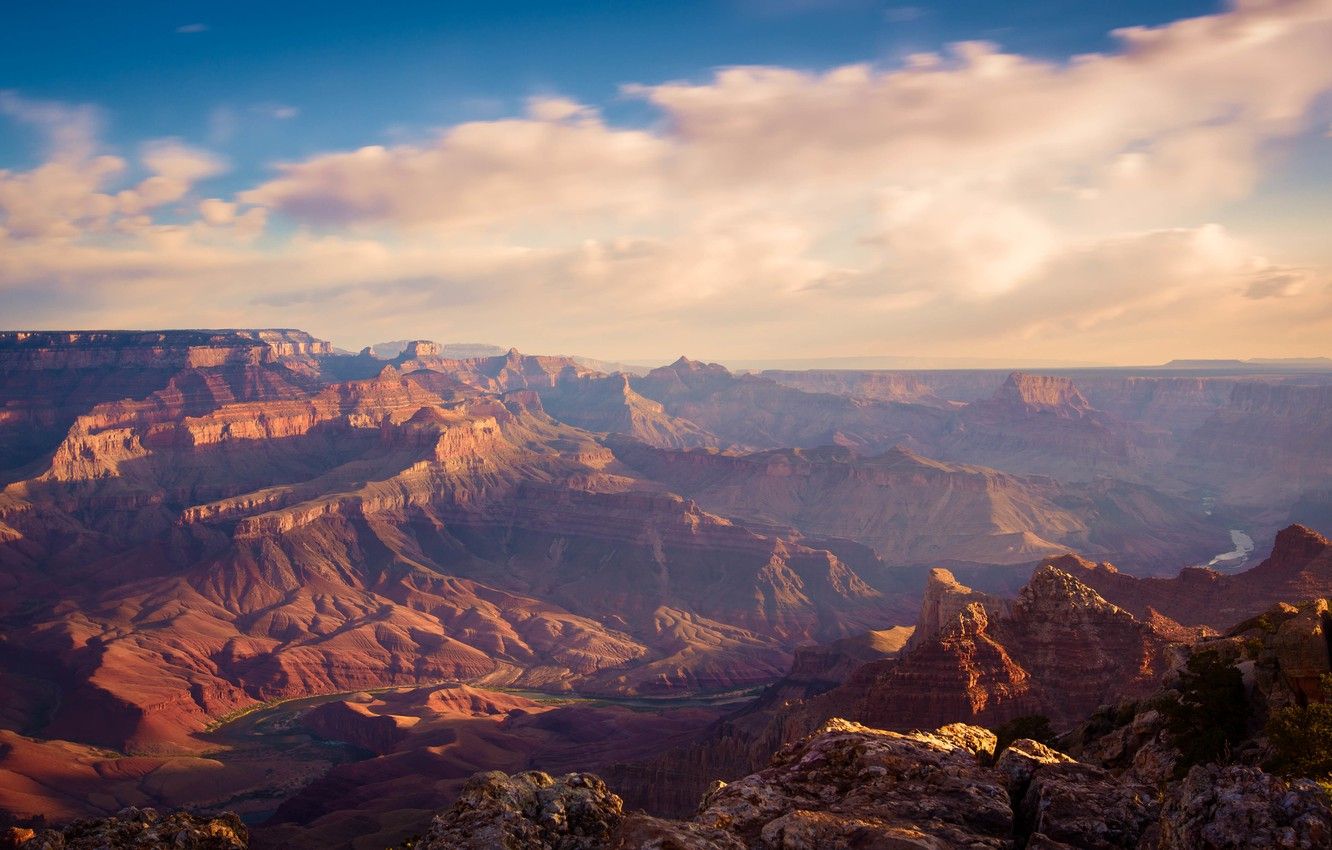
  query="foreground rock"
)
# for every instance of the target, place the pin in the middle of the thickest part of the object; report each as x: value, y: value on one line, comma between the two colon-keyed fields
x: 529, y: 810
x: 1238, y: 806
x: 534, y: 811
x: 845, y: 786
x: 850, y: 786
x: 135, y: 829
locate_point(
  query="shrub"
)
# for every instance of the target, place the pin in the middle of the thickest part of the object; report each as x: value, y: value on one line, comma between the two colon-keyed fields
x: 1301, y: 737
x: 1211, y: 713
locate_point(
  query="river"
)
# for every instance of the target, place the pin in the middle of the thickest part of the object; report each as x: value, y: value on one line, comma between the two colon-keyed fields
x: 271, y: 755
x: 1239, y: 554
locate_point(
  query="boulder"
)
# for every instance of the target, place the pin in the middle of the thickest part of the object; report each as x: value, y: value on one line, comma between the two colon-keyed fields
x: 135, y: 829
x: 1242, y: 808
x: 849, y: 785
x: 528, y: 811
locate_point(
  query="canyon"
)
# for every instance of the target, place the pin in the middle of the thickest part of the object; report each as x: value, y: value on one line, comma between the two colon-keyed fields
x: 221, y: 547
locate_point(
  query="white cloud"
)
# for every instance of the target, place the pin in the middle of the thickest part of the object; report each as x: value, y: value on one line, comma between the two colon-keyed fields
x: 973, y: 202
x: 191, y: 29
x: 175, y: 168
x: 561, y: 160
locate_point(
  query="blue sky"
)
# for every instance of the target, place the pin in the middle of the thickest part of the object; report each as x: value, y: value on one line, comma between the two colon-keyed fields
x: 744, y: 179
x: 351, y: 74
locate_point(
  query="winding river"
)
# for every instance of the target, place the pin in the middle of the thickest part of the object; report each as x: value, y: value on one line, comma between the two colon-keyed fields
x: 1237, y: 557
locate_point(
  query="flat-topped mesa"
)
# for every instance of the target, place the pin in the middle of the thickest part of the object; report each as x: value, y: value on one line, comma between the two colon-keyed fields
x: 288, y: 342
x: 418, y: 348
x: 182, y: 349
x: 1043, y: 393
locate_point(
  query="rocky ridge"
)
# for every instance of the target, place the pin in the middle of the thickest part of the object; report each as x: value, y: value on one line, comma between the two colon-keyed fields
x: 1058, y: 649
x: 1298, y: 568
x: 134, y: 829
x: 850, y: 786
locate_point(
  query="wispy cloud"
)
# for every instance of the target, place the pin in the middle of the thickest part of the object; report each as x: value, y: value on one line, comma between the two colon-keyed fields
x: 190, y: 29
x: 903, y: 14
x: 971, y: 202
x: 278, y: 111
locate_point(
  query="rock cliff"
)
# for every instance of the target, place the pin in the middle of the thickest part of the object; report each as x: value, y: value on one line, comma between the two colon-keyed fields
x: 1298, y: 568
x: 1058, y: 649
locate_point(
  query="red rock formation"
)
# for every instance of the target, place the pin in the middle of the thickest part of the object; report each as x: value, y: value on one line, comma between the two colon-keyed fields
x: 1058, y: 649
x: 234, y: 538
x: 1298, y: 569
x: 1042, y: 394
x: 757, y: 412
x: 914, y: 510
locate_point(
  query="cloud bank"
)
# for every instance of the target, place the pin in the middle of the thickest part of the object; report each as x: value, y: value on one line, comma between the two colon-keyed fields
x: 972, y: 202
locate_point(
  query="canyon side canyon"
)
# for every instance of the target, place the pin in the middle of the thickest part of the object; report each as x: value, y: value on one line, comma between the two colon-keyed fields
x: 258, y: 591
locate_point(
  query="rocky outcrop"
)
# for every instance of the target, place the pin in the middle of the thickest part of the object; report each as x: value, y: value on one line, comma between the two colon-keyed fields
x: 842, y: 787
x: 1059, y: 802
x: 1042, y: 394
x: 848, y: 782
x: 1243, y: 808
x: 135, y: 829
x: 1058, y: 650
x: 1299, y: 568
x: 847, y: 785
x: 944, y: 602
x: 529, y: 810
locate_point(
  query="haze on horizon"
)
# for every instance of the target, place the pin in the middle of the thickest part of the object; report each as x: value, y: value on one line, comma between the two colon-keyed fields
x: 752, y: 179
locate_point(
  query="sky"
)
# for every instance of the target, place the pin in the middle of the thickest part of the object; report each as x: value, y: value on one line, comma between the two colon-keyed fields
x: 745, y: 179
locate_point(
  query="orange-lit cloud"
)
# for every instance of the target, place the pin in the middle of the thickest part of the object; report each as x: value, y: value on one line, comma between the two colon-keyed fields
x: 974, y: 202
